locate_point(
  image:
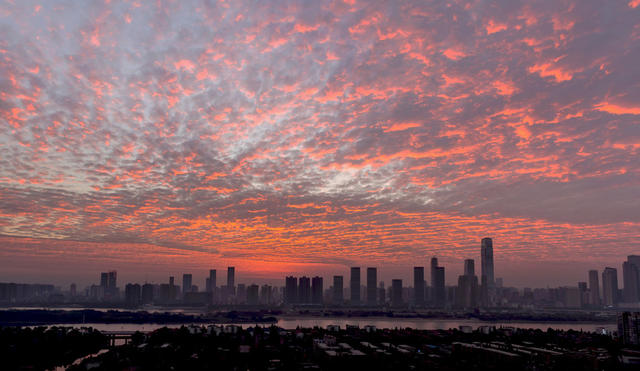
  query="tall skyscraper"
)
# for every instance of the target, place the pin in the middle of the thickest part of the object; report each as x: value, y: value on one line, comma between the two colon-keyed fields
x: 396, y: 293
x: 231, y: 281
x: 594, y: 288
x: 486, y: 261
x: 316, y: 290
x: 252, y: 294
x: 469, y: 267
x: 372, y: 281
x: 418, y: 286
x: 630, y: 281
x: 434, y: 265
x: 187, y: 282
x: 304, y: 290
x: 355, y: 285
x: 338, y: 290
x: 212, y: 281
x: 439, y: 294
x: 291, y: 290
x: 610, y: 286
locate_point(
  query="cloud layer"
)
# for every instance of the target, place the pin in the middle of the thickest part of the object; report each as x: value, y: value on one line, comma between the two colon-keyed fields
x: 321, y: 132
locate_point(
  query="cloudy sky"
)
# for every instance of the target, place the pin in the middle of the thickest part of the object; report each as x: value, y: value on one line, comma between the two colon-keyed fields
x: 308, y: 136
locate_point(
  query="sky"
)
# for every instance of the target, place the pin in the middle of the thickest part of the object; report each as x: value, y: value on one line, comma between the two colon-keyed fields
x: 305, y: 137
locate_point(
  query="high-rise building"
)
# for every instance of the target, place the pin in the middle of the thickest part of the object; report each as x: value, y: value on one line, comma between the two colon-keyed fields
x: 396, y: 293
x: 231, y: 281
x: 594, y: 288
x: 316, y: 290
x: 338, y: 290
x: 629, y: 328
x: 486, y: 261
x: 304, y: 290
x: 372, y: 281
x: 630, y: 281
x: 418, y: 286
x: 112, y: 280
x: 147, y: 293
x: 467, y: 291
x: 469, y: 267
x: 187, y: 282
x: 434, y: 265
x: 212, y: 281
x: 252, y: 294
x: 132, y: 294
x: 104, y: 280
x: 291, y: 290
x: 355, y: 285
x: 610, y: 286
x: 635, y: 260
x: 439, y: 294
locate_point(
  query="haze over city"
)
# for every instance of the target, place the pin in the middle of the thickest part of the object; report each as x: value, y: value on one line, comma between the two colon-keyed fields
x: 306, y: 137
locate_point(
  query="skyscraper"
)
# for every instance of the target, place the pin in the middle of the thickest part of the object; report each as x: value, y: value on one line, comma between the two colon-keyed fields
x: 338, y: 290
x: 187, y: 282
x: 396, y: 293
x: 610, y: 286
x: 486, y: 261
x: 252, y: 294
x: 355, y: 285
x: 372, y: 281
x: 304, y: 290
x: 434, y: 265
x: 418, y: 286
x: 291, y: 290
x: 630, y: 281
x: 469, y: 267
x: 231, y: 281
x: 212, y: 281
x: 594, y: 288
x: 439, y: 295
x: 316, y: 290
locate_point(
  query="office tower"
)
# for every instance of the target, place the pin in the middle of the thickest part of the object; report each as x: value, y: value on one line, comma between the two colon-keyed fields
x: 467, y: 291
x: 434, y: 265
x: 147, y: 293
x: 381, y: 294
x: 469, y: 267
x: 396, y: 293
x: 187, y: 282
x: 439, y: 294
x: 418, y: 286
x: 610, y: 286
x: 486, y: 261
x: 304, y: 290
x: 316, y: 290
x: 291, y: 290
x: 372, y: 281
x: 252, y: 294
x: 104, y: 280
x: 630, y: 281
x: 231, y: 281
x: 132, y: 294
x: 212, y: 281
x: 338, y: 290
x: 355, y: 285
x: 266, y: 297
x: 629, y: 327
x: 594, y: 288
x: 72, y: 289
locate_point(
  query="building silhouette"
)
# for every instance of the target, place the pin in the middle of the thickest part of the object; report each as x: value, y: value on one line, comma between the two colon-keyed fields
x: 291, y: 290
x: 396, y: 293
x: 212, y: 281
x: 231, y: 281
x: 304, y: 290
x: 338, y: 290
x: 187, y: 282
x: 372, y: 288
x: 355, y: 285
x: 630, y: 281
x: 610, y: 286
x: 317, y: 290
x: 594, y: 288
x: 418, y: 286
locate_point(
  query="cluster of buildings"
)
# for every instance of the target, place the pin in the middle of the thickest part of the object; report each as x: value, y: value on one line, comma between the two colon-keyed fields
x: 475, y: 288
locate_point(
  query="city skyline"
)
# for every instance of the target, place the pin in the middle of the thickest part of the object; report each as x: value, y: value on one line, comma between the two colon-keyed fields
x: 162, y: 138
